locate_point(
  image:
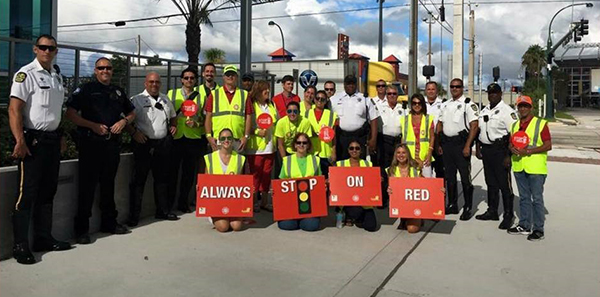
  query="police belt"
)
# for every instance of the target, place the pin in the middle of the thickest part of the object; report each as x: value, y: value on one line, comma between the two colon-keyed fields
x: 362, y: 131
x: 390, y: 139
x: 498, y: 143
x: 460, y: 138
x: 91, y: 136
x: 43, y: 136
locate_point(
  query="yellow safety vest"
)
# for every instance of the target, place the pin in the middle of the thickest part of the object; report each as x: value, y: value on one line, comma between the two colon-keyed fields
x: 409, y: 138
x: 213, y: 163
x: 292, y: 170
x: 229, y: 115
x: 346, y: 163
x: 256, y: 142
x: 535, y: 163
x: 413, y: 172
x: 177, y: 99
x: 321, y: 148
x: 303, y: 110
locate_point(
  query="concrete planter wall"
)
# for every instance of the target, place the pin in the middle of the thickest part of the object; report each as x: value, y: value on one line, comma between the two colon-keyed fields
x: 65, y: 201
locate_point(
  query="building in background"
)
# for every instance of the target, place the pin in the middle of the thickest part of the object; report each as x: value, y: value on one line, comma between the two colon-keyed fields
x: 581, y: 64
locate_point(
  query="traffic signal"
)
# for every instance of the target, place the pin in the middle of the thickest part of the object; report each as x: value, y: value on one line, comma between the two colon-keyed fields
x: 584, y: 27
x: 576, y: 36
x: 303, y: 190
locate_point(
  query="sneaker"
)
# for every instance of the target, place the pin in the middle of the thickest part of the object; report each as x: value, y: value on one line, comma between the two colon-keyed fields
x: 536, y: 236
x: 506, y: 223
x: 519, y: 230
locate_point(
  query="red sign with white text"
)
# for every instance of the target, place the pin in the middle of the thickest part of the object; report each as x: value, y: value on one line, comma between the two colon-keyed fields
x: 326, y: 134
x: 299, y: 198
x: 355, y: 186
x: 520, y: 139
x: 417, y: 198
x: 264, y: 121
x: 189, y: 108
x: 224, y: 196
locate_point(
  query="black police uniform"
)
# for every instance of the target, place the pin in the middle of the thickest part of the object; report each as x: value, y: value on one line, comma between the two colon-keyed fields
x: 99, y: 155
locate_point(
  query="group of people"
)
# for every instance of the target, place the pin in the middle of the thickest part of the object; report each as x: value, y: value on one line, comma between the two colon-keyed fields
x: 428, y: 137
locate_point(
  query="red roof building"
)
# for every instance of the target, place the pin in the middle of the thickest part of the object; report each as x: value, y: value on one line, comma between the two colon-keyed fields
x: 281, y: 55
x: 395, y: 62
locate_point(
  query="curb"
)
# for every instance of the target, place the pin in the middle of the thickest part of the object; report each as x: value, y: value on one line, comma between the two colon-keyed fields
x: 568, y: 122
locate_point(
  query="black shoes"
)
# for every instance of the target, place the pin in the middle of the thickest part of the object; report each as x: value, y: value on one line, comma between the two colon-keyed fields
x: 488, y: 216
x: 452, y: 209
x: 84, y: 239
x: 132, y: 222
x: 168, y: 217
x: 506, y: 223
x: 466, y: 214
x: 536, y: 235
x: 519, y: 230
x: 117, y: 229
x: 185, y: 209
x: 52, y: 246
x: 22, y: 254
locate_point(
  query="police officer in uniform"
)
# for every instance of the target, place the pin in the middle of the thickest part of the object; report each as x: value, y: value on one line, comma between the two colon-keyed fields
x: 358, y: 119
x: 36, y: 99
x: 458, y: 128
x: 101, y: 111
x: 155, y: 122
x: 495, y: 121
x: 434, y: 106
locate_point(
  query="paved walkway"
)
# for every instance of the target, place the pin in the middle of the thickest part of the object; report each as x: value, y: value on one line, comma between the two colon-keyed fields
x: 188, y: 258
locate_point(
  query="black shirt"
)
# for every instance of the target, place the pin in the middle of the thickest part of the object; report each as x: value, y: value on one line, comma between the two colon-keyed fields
x: 100, y: 103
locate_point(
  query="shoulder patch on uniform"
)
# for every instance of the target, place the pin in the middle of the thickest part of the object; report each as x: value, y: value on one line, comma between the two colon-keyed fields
x: 118, y: 93
x: 20, y: 77
x: 76, y: 91
x: 474, y: 108
x: 513, y: 116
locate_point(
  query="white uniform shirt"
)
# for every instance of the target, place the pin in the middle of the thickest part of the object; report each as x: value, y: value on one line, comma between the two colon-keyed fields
x: 453, y: 117
x: 389, y: 118
x: 43, y: 94
x: 498, y: 124
x: 150, y: 120
x: 353, y: 111
x: 434, y: 109
x: 270, y: 148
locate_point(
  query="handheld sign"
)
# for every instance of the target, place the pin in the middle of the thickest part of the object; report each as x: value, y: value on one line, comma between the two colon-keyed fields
x: 189, y: 108
x: 224, y: 196
x: 520, y: 139
x: 417, y: 198
x: 264, y: 121
x: 326, y: 134
x: 299, y: 198
x: 355, y: 186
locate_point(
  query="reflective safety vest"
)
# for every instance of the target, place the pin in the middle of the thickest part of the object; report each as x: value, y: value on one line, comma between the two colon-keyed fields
x: 229, y: 115
x: 292, y: 169
x: 346, y: 163
x: 213, y: 163
x: 177, y: 98
x: 256, y: 142
x: 303, y: 110
x: 409, y: 138
x: 321, y: 148
x: 412, y: 172
x: 535, y: 163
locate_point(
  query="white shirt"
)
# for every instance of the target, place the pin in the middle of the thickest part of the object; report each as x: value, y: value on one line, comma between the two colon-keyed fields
x: 353, y: 111
x: 456, y: 115
x: 149, y: 119
x: 434, y: 109
x: 389, y: 118
x: 498, y: 124
x: 43, y: 94
x: 270, y: 148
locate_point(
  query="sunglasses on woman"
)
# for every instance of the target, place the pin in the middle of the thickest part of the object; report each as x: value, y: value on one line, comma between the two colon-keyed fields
x: 226, y: 138
x: 301, y: 142
x: 321, y: 99
x: 416, y: 103
x: 354, y: 148
x: 294, y: 111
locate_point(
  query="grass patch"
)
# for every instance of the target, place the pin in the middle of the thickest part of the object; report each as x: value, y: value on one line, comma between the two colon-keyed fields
x: 563, y: 115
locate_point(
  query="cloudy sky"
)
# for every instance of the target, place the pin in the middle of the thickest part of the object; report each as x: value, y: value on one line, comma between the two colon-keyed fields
x: 504, y: 29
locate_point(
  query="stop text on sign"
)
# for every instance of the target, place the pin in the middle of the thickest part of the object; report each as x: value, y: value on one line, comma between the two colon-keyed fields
x: 290, y: 185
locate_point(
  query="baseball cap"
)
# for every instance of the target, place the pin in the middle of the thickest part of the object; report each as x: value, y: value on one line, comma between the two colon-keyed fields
x: 524, y: 100
x: 494, y: 88
x: 230, y: 68
x: 248, y: 76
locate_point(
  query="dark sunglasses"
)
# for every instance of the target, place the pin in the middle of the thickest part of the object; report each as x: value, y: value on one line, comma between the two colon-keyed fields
x: 321, y: 99
x: 226, y: 138
x: 416, y: 103
x: 301, y: 142
x: 230, y: 74
x: 392, y: 94
x: 159, y: 106
x: 456, y: 87
x: 354, y: 148
x: 294, y: 111
x: 188, y: 78
x: 380, y: 86
x: 104, y: 68
x: 329, y: 89
x: 46, y: 47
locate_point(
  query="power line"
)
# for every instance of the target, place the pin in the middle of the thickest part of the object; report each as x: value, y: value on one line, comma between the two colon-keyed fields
x: 112, y: 41
x: 428, y: 11
x: 142, y: 39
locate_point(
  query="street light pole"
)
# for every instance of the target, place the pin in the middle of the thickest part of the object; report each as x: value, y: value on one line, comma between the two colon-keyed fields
x: 271, y: 23
x: 380, y: 48
x: 413, y: 47
x: 549, y: 55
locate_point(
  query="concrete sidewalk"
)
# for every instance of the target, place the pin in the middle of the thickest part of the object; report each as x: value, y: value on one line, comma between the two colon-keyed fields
x: 188, y: 258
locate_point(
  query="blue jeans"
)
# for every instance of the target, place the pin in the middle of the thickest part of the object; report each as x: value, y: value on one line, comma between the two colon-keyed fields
x: 308, y: 224
x: 531, y: 200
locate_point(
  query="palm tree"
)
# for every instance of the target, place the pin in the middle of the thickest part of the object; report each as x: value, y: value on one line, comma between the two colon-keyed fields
x: 214, y: 55
x: 534, y: 60
x: 196, y: 13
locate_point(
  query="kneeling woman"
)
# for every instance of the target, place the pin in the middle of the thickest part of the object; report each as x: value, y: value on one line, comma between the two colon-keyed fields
x: 225, y: 161
x: 298, y: 165
x: 403, y: 165
x: 364, y: 216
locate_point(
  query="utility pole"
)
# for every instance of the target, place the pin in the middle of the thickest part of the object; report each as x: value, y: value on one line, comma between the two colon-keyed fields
x: 441, y: 56
x: 471, y: 52
x: 429, y: 22
x: 380, y: 55
x: 412, y: 51
x: 457, y: 37
x: 480, y: 81
x: 139, y: 44
x: 246, y: 37
x: 449, y: 74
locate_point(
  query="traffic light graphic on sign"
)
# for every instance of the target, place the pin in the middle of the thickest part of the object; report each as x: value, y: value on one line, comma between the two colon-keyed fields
x: 303, y: 190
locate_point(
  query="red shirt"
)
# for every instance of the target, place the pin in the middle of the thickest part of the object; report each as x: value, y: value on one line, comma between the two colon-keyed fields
x: 281, y: 101
x: 417, y: 131
x: 545, y: 131
x: 208, y: 105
